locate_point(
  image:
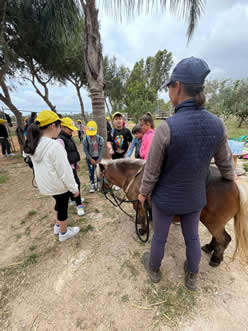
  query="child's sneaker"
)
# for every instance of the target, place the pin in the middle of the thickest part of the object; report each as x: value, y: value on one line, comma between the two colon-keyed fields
x: 71, y: 232
x: 56, y: 229
x: 80, y: 210
x: 92, y: 189
x: 71, y: 202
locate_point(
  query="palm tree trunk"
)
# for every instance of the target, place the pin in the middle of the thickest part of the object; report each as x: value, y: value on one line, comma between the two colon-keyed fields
x: 94, y: 66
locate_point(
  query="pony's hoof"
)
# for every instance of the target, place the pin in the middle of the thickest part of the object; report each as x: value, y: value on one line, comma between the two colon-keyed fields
x: 207, y: 249
x: 142, y: 232
x: 214, y: 261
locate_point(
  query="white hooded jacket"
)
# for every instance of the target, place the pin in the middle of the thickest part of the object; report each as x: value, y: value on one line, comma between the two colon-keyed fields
x: 53, y: 173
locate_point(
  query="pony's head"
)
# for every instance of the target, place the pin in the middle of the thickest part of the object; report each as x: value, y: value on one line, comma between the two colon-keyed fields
x: 101, y: 172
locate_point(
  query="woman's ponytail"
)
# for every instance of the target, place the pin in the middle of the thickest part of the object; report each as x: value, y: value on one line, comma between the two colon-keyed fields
x: 196, y: 92
x: 33, y: 137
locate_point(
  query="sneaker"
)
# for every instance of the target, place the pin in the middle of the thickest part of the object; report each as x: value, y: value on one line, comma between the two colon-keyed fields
x: 71, y: 202
x: 92, y: 189
x: 56, y: 229
x: 190, y: 278
x: 117, y: 188
x: 98, y: 186
x: 80, y: 210
x: 71, y: 232
x: 154, y: 274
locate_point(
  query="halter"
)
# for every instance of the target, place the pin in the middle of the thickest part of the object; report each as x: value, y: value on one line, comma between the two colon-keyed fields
x: 118, y: 202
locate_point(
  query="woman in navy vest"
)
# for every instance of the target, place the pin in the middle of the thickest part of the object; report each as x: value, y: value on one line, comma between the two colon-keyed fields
x: 177, y: 166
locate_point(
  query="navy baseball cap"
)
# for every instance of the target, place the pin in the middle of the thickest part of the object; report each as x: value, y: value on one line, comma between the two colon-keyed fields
x: 189, y: 71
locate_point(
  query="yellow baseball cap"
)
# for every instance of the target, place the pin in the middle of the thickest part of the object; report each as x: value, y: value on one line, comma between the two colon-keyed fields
x: 107, y: 118
x: 46, y: 117
x: 2, y: 120
x: 115, y: 114
x: 26, y: 119
x: 91, y: 128
x: 79, y: 121
x: 68, y: 123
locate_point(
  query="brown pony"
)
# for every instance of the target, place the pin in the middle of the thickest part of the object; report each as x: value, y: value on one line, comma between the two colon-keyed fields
x: 225, y: 200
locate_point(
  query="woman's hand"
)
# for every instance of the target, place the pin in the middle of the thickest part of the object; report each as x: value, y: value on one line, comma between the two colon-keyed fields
x: 76, y: 194
x: 142, y: 198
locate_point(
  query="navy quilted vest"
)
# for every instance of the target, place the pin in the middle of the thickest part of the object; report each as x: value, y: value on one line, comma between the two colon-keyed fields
x: 195, y: 137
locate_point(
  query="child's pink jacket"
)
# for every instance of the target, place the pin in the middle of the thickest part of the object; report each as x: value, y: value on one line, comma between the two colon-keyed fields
x: 146, y: 143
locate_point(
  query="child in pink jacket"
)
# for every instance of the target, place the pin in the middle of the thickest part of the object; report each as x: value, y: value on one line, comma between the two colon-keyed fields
x: 147, y: 127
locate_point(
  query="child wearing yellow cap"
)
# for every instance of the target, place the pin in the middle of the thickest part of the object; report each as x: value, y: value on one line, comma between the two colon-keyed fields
x: 93, y: 146
x: 4, y: 139
x: 53, y: 173
x: 66, y: 140
x: 80, y: 130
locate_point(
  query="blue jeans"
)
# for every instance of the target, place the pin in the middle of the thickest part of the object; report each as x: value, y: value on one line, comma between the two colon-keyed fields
x: 91, y: 168
x: 161, y: 225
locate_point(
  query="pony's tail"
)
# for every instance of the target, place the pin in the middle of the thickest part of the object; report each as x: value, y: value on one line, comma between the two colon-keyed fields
x: 241, y: 224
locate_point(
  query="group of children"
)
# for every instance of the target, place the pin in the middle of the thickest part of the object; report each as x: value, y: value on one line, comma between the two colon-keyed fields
x: 56, y: 159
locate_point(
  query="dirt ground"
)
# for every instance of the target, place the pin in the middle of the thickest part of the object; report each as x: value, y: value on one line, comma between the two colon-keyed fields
x: 95, y: 281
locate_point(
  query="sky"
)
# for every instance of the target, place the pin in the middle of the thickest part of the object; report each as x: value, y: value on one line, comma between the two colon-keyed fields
x: 220, y: 38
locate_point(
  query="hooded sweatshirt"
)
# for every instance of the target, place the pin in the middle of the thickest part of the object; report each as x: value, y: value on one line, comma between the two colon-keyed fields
x: 53, y: 173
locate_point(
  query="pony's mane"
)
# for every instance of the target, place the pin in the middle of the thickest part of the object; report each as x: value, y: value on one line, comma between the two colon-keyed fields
x: 123, y: 163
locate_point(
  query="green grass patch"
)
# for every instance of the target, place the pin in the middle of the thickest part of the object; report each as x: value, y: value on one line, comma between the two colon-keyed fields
x: 125, y: 298
x: 32, y: 248
x: 32, y: 213
x: 27, y: 231
x: 172, y: 302
x: 233, y: 130
x: 245, y: 165
x: 31, y: 259
x: 87, y: 229
x: 131, y: 268
x: 3, y: 178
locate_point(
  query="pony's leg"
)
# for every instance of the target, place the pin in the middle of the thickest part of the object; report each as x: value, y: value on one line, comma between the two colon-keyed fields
x: 220, y: 245
x: 220, y: 238
x: 208, y: 248
x: 141, y: 218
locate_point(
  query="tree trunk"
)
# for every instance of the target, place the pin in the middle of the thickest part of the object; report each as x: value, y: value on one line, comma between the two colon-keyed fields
x: 94, y: 67
x: 240, y: 122
x: 81, y: 103
x: 19, y: 120
x: 109, y: 112
x: 44, y: 96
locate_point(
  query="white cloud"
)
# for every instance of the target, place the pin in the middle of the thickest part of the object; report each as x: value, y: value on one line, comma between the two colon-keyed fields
x: 220, y: 38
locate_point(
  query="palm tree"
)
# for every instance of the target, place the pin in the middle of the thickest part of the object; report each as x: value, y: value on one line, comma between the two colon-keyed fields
x: 186, y: 9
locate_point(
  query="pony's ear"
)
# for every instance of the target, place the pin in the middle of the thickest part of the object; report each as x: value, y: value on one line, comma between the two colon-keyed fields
x: 102, y: 167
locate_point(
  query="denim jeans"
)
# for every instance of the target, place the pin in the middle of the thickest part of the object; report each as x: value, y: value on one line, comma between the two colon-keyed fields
x: 91, y: 168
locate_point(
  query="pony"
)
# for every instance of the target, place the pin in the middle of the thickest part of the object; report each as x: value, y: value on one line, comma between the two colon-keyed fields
x: 225, y: 200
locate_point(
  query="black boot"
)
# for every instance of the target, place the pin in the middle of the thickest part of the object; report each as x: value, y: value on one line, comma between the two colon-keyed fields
x: 154, y: 274
x: 190, y: 278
